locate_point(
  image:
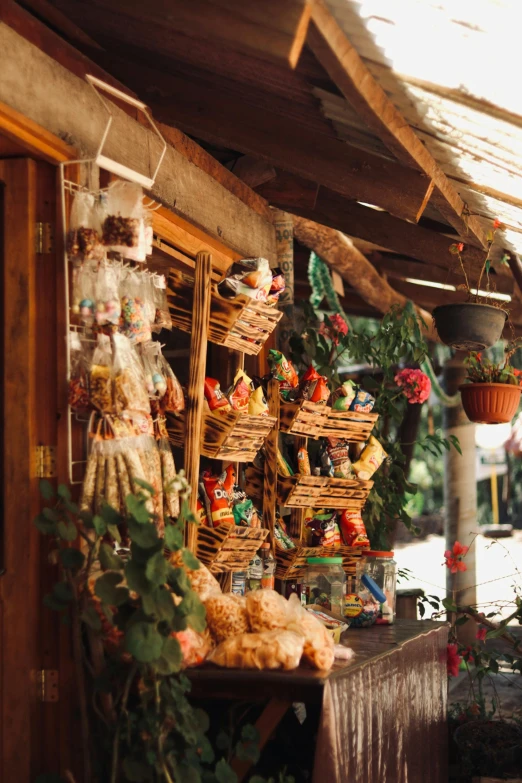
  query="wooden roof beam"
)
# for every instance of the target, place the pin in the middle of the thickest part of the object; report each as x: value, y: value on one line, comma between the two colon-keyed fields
x: 347, y: 70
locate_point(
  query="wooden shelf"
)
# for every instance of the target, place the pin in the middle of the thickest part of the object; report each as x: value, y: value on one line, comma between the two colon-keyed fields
x: 314, y: 420
x: 228, y: 547
x: 292, y: 562
x: 241, y: 323
x: 231, y: 436
x: 322, y: 492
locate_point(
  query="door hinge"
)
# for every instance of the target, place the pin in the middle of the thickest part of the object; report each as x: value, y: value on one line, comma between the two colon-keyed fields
x: 44, y: 239
x: 45, y: 461
x: 47, y: 680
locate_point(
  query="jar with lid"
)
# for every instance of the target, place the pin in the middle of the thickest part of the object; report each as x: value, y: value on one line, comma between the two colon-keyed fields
x: 382, y: 568
x: 324, y: 583
x: 362, y: 604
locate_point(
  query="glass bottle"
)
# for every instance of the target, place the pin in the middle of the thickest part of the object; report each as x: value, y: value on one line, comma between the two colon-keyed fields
x: 269, y: 566
x: 383, y: 570
x: 255, y: 572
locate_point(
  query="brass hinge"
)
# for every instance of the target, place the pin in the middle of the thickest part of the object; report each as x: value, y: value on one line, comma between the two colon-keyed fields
x: 47, y: 680
x: 44, y: 239
x: 45, y: 462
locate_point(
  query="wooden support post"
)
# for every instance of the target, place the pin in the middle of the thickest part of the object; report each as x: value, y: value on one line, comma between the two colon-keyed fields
x: 297, y: 515
x: 197, y: 368
x: 284, y: 227
x: 270, y: 477
x: 460, y: 495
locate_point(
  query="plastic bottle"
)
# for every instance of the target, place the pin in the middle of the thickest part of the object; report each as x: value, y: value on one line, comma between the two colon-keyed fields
x: 255, y: 572
x: 269, y: 566
x: 239, y: 583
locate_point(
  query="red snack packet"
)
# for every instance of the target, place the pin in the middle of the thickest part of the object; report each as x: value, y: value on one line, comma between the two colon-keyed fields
x: 215, y: 397
x: 201, y: 513
x: 219, y: 503
x: 239, y: 396
x: 321, y: 391
x: 353, y: 530
x: 229, y: 478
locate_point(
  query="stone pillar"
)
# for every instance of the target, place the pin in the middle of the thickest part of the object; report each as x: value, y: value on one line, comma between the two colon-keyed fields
x: 460, y: 494
x: 284, y: 227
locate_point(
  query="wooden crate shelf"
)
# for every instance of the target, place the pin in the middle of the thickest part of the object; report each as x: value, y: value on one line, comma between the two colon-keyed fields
x: 315, y: 420
x: 241, y: 323
x: 232, y: 436
x: 292, y: 562
x: 322, y: 492
x: 228, y: 547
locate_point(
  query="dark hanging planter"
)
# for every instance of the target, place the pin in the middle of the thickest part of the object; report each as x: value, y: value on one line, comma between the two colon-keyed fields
x: 490, y: 403
x: 469, y: 326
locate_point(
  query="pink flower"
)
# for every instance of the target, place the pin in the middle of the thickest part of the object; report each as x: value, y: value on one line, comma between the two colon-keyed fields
x: 333, y: 327
x: 454, y: 558
x: 481, y: 634
x: 415, y: 384
x: 453, y: 660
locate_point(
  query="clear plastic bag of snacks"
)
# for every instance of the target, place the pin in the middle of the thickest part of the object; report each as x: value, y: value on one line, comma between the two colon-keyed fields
x: 84, y: 237
x: 173, y: 400
x: 84, y: 292
x: 155, y: 379
x: 100, y: 376
x: 80, y: 359
x: 162, y: 317
x: 318, y: 649
x: 123, y: 227
x: 130, y: 393
x: 108, y: 306
x: 226, y: 616
x: 266, y: 650
x: 267, y: 610
x: 134, y: 322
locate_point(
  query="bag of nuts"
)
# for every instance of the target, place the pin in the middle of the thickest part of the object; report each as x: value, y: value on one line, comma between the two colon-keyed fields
x: 123, y: 228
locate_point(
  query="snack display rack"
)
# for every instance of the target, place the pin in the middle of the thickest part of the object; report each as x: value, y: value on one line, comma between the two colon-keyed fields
x: 228, y: 547
x: 292, y: 562
x: 240, y: 323
x: 315, y: 420
x: 322, y: 491
x: 230, y: 436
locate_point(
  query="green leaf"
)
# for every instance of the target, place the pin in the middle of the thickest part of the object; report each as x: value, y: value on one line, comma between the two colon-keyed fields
x: 171, y: 655
x: 223, y: 741
x: 137, y: 508
x: 487, y: 266
x: 109, y: 559
x: 136, y: 579
x: 62, y: 591
x: 72, y: 559
x: 91, y: 618
x: 114, y: 532
x: 247, y: 751
x: 249, y: 733
x: 107, y: 590
x: 159, y: 603
x: 177, y: 579
x: 144, y: 642
x: 99, y: 525
x: 51, y: 602
x: 224, y: 773
x: 51, y: 514
x: 173, y: 537
x: 44, y: 525
x: 144, y: 485
x: 449, y: 604
x: 190, y: 560
x: 504, y: 261
x: 46, y: 489
x: 156, y: 569
x: 137, y: 771
x: 145, y: 535
x: 67, y: 530
x: 110, y: 515
x: 461, y: 620
x: 63, y: 491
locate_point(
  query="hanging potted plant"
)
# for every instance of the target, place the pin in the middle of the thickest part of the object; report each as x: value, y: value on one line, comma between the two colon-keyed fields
x: 492, y: 394
x: 477, y: 323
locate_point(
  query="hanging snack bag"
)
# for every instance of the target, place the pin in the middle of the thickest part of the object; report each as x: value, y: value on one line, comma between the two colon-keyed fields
x: 84, y: 236
x: 201, y: 513
x: 218, y: 499
x: 371, y: 459
x: 353, y: 531
x: 130, y: 392
x: 321, y: 392
x: 282, y: 465
x: 313, y: 386
x: 79, y: 377
x: 257, y: 404
x: 155, y: 379
x: 217, y: 402
x: 173, y: 400
x: 251, y: 277
x: 343, y: 397
x: 100, y: 376
x: 124, y: 222
x: 239, y: 393
x: 244, y: 513
x: 338, y: 452
x: 326, y: 467
x: 162, y: 317
x: 323, y: 530
x: 303, y: 462
x: 284, y: 372
x: 277, y: 287
x: 363, y: 402
x: 84, y: 292
x: 134, y: 322
x: 282, y: 538
x: 108, y: 305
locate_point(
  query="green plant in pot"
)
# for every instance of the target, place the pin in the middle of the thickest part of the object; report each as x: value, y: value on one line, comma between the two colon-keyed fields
x: 492, y: 393
x: 477, y: 323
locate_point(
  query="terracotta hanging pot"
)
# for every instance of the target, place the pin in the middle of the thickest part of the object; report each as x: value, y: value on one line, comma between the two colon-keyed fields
x: 490, y: 403
x: 469, y: 326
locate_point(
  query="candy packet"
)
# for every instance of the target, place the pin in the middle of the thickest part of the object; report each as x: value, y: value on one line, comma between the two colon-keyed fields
x: 323, y: 530
x: 353, y: 530
x: 84, y: 292
x: 130, y: 392
x: 155, y: 379
x: 363, y: 402
x: 173, y: 400
x: 162, y: 316
x: 107, y: 297
x: 123, y: 228
x: 343, y: 397
x: 251, y: 277
x: 84, y: 237
x: 80, y: 358
x: 284, y: 372
x: 277, y: 287
x: 134, y: 321
x: 239, y: 393
x: 338, y: 452
x: 217, y: 402
x: 371, y: 459
x: 257, y: 404
x: 100, y: 375
x: 313, y: 386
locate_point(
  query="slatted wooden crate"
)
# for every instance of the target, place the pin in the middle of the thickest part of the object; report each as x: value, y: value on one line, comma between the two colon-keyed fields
x: 303, y: 418
x: 349, y: 425
x: 240, y: 323
x: 232, y: 436
x: 322, y: 492
x: 228, y: 547
x: 292, y: 562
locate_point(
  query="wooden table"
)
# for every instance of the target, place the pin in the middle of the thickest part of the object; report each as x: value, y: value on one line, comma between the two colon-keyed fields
x: 383, y: 716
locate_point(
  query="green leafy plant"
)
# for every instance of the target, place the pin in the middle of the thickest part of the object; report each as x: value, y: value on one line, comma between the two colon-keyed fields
x: 397, y: 341
x: 484, y: 370
x: 475, y: 294
x: 134, y: 606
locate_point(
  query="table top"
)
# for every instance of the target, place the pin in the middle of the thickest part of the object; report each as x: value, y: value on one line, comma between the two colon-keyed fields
x: 303, y: 684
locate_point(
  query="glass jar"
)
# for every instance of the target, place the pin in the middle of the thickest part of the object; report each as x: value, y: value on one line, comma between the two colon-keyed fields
x: 383, y: 570
x: 324, y: 583
x: 362, y: 604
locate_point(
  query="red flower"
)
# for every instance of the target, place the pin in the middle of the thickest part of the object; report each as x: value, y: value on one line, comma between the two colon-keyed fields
x: 478, y: 357
x: 460, y: 247
x: 415, y: 385
x: 333, y: 326
x: 481, y: 634
x: 453, y: 661
x: 497, y: 224
x: 454, y: 558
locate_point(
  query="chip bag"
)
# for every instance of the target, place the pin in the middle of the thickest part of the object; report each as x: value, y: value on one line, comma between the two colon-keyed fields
x: 217, y: 402
x: 284, y: 372
x: 371, y: 459
x: 218, y: 505
x: 338, y: 452
x: 257, y: 404
x: 343, y: 397
x: 363, y: 402
x: 353, y: 531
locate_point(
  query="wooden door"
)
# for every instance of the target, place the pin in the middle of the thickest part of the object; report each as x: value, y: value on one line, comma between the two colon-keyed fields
x: 33, y: 733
